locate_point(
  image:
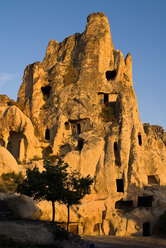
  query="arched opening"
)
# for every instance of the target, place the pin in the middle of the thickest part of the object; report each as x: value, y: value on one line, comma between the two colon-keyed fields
x: 139, y: 139
x: 146, y: 229
x: 46, y: 92
x: 47, y: 134
x: 78, y: 128
x: 14, y: 142
x: 67, y: 125
x: 111, y: 75
x: 145, y: 201
x: 116, y: 154
x: 80, y: 144
x: 119, y: 185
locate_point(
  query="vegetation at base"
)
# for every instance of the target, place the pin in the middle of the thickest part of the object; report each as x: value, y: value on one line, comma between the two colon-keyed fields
x: 70, y: 76
x: 6, y: 242
x: 55, y: 184
x: 36, y: 158
x: 9, y: 181
x: 108, y: 114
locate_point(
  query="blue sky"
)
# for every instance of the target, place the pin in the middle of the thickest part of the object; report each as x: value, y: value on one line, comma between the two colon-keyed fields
x: 137, y: 26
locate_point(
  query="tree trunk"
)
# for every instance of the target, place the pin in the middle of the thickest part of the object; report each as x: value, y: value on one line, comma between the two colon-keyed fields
x: 53, y: 211
x: 68, y: 217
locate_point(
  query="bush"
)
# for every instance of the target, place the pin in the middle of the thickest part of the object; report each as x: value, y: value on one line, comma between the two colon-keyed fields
x: 9, y: 181
x: 108, y: 114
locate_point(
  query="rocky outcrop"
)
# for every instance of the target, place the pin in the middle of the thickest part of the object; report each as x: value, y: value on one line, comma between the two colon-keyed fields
x: 8, y: 162
x: 80, y: 103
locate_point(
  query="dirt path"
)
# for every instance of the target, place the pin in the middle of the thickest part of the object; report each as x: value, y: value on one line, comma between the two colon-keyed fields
x: 125, y: 242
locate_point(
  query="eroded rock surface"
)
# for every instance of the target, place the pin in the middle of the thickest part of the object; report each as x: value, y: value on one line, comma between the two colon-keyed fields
x: 80, y: 103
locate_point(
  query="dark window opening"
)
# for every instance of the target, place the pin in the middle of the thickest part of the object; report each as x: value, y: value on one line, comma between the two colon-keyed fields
x: 145, y: 201
x: 119, y: 185
x: 146, y: 229
x: 67, y: 125
x: 139, y: 139
x: 78, y: 128
x: 47, y: 134
x: 152, y: 180
x: 124, y: 205
x: 106, y: 98
x: 46, y: 92
x: 116, y: 154
x: 111, y: 75
x: 80, y: 144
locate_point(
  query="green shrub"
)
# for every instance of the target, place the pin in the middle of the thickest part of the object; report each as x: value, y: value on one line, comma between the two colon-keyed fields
x: 70, y: 76
x: 10, y: 181
x: 108, y: 114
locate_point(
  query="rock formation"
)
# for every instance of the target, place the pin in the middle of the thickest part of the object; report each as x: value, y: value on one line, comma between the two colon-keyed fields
x: 80, y: 103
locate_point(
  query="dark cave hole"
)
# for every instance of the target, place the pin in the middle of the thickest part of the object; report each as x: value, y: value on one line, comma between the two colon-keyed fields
x: 139, y: 139
x: 145, y: 201
x: 46, y: 92
x: 111, y: 75
x: 119, y: 185
x: 47, y: 134
x: 146, y: 229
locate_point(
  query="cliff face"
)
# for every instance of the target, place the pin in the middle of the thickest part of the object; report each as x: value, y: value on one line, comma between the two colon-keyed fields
x: 80, y: 103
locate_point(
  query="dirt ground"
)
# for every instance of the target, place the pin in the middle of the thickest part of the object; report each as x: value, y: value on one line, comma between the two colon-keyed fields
x: 125, y: 242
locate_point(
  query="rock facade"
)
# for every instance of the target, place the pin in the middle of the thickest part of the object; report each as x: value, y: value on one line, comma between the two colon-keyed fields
x: 80, y: 103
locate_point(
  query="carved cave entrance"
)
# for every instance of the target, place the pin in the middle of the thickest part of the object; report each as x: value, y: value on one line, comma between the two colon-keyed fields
x: 146, y: 229
x: 116, y: 154
x: 139, y: 139
x: 145, y: 201
x: 80, y: 144
x: 106, y: 98
x: 119, y: 185
x: 46, y: 92
x: 111, y: 75
x: 15, y: 145
x: 47, y: 134
x: 78, y: 128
